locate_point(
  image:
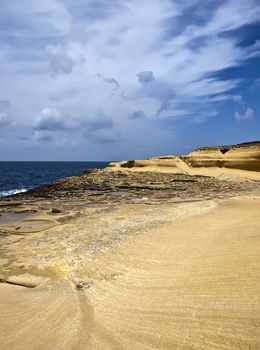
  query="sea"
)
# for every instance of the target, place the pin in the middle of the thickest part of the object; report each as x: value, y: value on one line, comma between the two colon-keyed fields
x: 16, y: 177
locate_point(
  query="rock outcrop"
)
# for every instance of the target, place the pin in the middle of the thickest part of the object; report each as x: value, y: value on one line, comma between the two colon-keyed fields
x: 171, y: 164
x: 243, y: 157
x: 140, y: 255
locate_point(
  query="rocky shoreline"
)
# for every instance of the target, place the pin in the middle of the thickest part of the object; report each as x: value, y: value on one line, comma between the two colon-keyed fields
x: 113, y: 251
x: 97, y: 182
x: 124, y: 183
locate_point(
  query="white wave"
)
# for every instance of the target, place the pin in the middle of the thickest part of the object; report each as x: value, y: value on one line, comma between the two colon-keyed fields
x: 11, y: 192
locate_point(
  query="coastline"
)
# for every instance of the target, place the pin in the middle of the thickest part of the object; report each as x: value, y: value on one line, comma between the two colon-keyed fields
x: 124, y: 259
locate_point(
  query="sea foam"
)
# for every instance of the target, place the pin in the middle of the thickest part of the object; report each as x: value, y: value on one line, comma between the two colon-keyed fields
x: 11, y: 192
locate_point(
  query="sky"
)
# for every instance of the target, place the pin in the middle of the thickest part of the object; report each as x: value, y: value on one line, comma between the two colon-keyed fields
x: 127, y: 79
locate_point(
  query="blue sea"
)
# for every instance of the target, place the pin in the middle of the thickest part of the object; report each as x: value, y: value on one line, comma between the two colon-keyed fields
x: 16, y: 177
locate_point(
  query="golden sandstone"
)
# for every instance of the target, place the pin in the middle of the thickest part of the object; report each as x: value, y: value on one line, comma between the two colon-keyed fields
x: 147, y: 254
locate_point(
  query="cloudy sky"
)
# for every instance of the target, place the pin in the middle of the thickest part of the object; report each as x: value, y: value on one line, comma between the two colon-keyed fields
x: 124, y: 79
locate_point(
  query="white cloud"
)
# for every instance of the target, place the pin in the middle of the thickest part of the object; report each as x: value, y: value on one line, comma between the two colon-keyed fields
x: 62, y: 60
x: 59, y: 61
x: 107, y: 60
x: 49, y: 119
x: 247, y: 115
x: 237, y: 98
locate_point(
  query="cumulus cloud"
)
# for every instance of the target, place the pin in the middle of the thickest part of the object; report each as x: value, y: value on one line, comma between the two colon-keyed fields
x: 243, y: 113
x: 248, y: 115
x: 49, y: 119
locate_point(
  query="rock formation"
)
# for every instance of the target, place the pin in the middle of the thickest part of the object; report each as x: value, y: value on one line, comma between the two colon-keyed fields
x: 243, y: 157
x: 147, y: 254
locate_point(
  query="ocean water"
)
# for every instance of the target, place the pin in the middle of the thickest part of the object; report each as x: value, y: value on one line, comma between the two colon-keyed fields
x: 16, y: 177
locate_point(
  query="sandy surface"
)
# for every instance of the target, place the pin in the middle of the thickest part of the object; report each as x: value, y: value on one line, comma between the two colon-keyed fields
x: 134, y: 276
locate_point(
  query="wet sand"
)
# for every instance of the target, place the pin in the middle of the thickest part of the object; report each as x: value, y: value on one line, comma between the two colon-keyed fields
x: 136, y: 276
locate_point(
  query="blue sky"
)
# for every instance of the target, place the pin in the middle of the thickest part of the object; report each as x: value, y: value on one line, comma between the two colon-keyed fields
x: 126, y: 79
